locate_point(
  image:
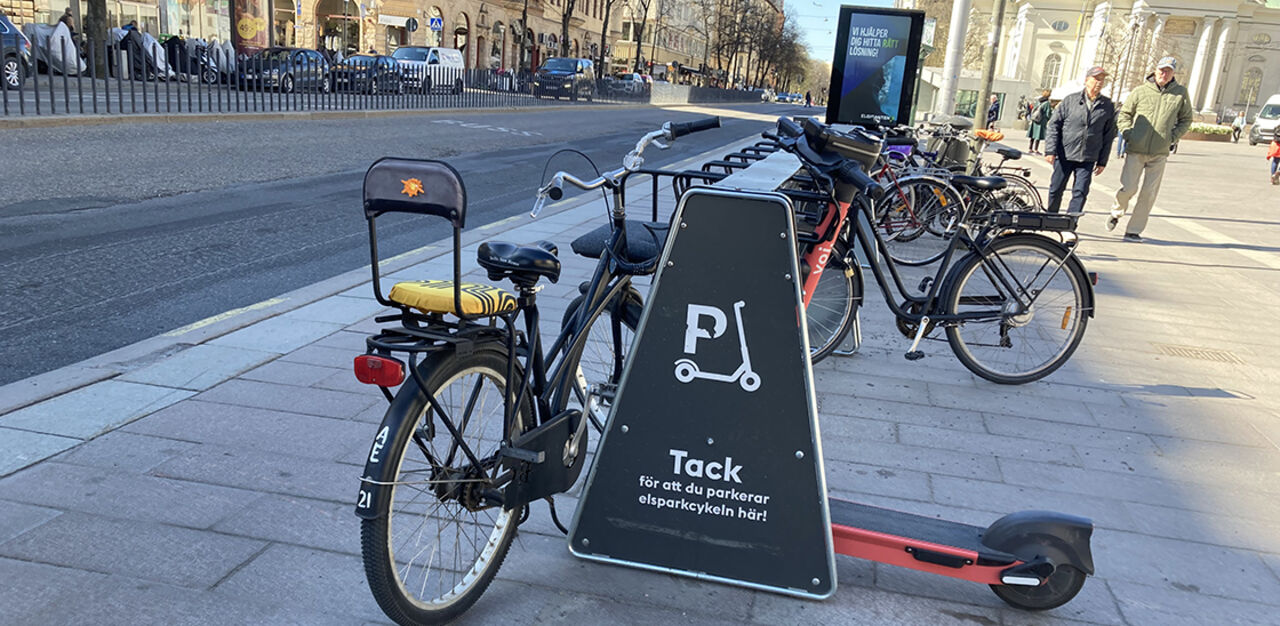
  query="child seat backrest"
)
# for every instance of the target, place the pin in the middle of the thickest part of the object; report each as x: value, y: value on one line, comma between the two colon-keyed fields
x: 415, y: 186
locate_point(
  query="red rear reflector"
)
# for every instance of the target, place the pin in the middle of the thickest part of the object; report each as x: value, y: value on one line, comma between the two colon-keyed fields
x: 379, y: 370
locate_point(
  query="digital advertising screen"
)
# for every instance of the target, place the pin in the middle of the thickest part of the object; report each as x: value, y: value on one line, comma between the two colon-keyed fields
x: 873, y: 74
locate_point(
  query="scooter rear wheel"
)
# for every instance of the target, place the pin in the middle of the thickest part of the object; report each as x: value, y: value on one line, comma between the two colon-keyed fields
x: 1063, y: 585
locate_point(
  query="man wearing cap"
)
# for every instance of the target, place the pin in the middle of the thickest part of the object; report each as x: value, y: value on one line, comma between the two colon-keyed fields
x: 1080, y: 134
x: 1154, y: 117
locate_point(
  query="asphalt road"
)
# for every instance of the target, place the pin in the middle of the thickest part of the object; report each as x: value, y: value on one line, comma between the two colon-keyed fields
x: 113, y: 234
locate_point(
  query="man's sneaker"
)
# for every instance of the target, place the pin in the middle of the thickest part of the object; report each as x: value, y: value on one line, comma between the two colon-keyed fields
x: 1111, y: 223
x: 1275, y: 178
x: 1132, y: 237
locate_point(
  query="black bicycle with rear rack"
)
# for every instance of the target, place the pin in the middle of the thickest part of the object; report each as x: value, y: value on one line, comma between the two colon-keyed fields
x: 485, y: 421
x: 1014, y: 305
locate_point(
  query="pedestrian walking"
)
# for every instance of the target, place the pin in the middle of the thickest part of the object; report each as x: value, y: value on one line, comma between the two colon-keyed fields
x: 1154, y: 117
x: 808, y: 99
x: 1079, y: 143
x: 1040, y: 114
x: 993, y: 112
x: 1237, y: 127
x: 1273, y: 155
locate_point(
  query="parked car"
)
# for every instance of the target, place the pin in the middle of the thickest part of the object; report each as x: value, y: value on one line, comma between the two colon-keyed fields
x: 286, y: 69
x: 1268, y: 120
x: 363, y: 73
x: 630, y: 84
x: 15, y: 54
x: 564, y: 76
x: 424, y: 68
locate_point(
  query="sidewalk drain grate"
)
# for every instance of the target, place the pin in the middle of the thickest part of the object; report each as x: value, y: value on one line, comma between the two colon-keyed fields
x: 1200, y: 354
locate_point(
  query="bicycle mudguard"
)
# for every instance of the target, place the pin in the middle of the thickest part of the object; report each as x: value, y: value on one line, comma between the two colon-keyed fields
x: 397, y: 424
x: 1073, y: 264
x: 1062, y: 539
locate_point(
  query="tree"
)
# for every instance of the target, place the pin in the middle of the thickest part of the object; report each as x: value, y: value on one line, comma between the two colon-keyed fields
x: 604, y: 40
x: 565, y: 15
x: 640, y: 8
x: 95, y: 33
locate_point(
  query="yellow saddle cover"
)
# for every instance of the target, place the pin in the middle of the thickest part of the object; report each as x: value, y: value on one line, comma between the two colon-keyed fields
x: 436, y: 296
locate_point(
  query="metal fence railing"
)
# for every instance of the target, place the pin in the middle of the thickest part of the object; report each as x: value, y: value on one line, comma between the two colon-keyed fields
x: 126, y: 78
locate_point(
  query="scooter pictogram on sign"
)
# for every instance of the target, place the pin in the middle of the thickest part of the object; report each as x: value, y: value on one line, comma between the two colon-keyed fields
x: 687, y: 370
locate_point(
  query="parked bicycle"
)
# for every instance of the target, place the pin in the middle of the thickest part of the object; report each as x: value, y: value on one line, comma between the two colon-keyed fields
x: 1014, y: 303
x: 485, y: 421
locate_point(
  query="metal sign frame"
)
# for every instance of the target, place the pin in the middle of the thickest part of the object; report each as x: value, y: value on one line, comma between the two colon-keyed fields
x: 823, y: 583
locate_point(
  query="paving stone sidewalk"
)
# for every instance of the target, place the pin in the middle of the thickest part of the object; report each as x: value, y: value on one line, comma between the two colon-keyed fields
x: 216, y: 486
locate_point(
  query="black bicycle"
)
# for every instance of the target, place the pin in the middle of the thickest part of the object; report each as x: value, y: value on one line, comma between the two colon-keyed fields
x: 1014, y: 303
x: 485, y: 421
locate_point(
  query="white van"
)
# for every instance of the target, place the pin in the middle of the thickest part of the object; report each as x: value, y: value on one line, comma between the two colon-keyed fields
x: 1264, y: 126
x: 426, y: 68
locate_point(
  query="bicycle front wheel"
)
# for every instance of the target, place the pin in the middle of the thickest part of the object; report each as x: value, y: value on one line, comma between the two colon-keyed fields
x: 436, y: 542
x: 1019, y: 194
x: 604, y: 352
x: 830, y: 312
x: 1028, y: 302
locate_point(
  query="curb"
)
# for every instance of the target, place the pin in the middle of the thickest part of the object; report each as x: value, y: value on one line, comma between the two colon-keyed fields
x: 41, y: 387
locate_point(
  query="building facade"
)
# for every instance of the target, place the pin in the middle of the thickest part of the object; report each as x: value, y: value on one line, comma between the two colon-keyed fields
x: 673, y: 31
x: 1228, y: 51
x: 487, y: 31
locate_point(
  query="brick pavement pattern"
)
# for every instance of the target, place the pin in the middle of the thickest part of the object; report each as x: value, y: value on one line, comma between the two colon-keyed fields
x: 216, y: 485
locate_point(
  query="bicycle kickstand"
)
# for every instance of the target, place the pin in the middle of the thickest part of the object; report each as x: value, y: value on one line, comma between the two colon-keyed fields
x: 914, y: 354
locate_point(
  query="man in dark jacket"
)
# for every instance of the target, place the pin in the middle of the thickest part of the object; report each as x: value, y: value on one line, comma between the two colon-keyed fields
x: 1079, y: 143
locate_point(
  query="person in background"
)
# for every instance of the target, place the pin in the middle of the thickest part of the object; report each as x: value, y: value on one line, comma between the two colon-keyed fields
x: 1273, y: 155
x: 1237, y: 127
x: 993, y: 112
x: 1038, y: 116
x: 808, y: 99
x: 1080, y: 135
x: 1154, y: 117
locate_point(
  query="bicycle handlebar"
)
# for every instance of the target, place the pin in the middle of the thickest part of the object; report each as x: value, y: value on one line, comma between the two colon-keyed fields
x: 630, y: 163
x: 680, y: 129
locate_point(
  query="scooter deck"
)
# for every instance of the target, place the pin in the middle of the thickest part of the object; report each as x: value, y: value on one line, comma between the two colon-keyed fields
x: 923, y: 543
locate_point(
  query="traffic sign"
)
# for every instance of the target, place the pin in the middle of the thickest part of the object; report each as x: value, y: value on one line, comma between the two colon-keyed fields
x: 435, y: 23
x: 411, y: 24
x: 710, y: 465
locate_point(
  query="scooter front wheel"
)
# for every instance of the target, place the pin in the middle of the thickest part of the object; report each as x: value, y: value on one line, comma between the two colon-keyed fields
x: 1061, y: 586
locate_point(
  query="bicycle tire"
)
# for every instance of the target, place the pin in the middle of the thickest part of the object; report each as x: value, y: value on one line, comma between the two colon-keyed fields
x: 917, y: 219
x: 1020, y: 194
x: 1059, y: 299
x: 603, y: 353
x: 393, y: 583
x: 831, y: 310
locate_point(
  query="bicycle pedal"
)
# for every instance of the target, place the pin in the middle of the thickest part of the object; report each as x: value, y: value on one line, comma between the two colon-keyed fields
x: 914, y: 355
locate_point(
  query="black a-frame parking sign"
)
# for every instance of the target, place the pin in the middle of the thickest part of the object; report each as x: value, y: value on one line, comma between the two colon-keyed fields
x: 710, y: 465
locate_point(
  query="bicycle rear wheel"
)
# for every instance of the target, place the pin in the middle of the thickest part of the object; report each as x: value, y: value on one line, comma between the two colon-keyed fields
x: 436, y: 544
x: 1016, y: 344
x: 916, y: 220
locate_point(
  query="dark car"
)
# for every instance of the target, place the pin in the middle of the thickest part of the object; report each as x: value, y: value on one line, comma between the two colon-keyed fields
x: 286, y: 69
x: 367, y: 73
x: 563, y: 76
x: 15, y: 54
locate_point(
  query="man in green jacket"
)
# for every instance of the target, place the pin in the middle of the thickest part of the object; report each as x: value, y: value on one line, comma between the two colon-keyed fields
x: 1156, y: 115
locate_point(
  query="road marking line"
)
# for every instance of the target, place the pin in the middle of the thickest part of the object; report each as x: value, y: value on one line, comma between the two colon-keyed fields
x: 223, y: 316
x: 742, y: 115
